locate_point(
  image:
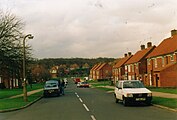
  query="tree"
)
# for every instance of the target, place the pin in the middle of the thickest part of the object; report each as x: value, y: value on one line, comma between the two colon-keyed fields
x: 11, y: 35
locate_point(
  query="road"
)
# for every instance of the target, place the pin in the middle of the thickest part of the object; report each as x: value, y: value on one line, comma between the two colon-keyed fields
x: 86, y: 104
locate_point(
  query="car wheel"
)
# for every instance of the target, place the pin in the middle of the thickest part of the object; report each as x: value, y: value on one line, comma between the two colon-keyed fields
x: 44, y: 95
x: 148, y: 103
x: 125, y: 102
x: 58, y: 94
x: 116, y: 100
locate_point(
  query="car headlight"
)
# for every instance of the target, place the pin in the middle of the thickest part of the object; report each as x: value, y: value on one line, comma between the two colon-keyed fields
x: 149, y: 94
x: 129, y: 95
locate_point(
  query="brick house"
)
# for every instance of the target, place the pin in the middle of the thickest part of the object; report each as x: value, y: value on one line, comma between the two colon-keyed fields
x: 119, y: 68
x: 94, y: 71
x: 104, y: 71
x: 136, y: 66
x: 162, y: 63
x: 91, y: 71
x: 54, y: 72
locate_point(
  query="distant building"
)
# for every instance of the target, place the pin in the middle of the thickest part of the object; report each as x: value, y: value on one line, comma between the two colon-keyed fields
x: 101, y: 71
x: 104, y: 71
x: 92, y: 70
x: 54, y: 72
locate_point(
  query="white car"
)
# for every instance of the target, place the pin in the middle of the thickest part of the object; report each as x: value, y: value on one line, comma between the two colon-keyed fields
x: 131, y: 91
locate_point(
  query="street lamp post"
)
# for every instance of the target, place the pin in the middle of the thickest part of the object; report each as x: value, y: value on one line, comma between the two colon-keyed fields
x: 29, y: 36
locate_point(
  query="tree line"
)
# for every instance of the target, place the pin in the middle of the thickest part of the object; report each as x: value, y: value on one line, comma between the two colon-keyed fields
x: 49, y: 62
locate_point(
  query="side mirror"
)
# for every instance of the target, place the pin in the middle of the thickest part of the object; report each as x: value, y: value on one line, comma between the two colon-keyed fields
x: 119, y: 87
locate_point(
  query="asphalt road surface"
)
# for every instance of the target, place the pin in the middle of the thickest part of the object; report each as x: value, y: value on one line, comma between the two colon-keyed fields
x: 87, y: 104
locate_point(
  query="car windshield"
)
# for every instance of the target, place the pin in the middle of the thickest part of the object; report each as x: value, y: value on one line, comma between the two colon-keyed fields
x: 51, y: 85
x: 133, y: 84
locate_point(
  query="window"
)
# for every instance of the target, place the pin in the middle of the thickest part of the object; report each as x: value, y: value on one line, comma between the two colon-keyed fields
x: 133, y: 77
x: 155, y: 62
x: 125, y: 68
x: 129, y: 70
x: 163, y: 61
x: 132, y: 67
x: 149, y: 61
x: 172, y: 58
x: 119, y: 70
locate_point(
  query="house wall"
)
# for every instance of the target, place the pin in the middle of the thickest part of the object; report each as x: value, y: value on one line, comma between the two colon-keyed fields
x: 156, y: 77
x: 168, y: 77
x: 105, y: 72
x: 137, y: 70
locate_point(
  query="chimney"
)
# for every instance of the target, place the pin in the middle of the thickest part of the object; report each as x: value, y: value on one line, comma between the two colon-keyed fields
x: 129, y: 53
x: 142, y: 47
x: 173, y: 32
x: 149, y: 44
x: 125, y: 55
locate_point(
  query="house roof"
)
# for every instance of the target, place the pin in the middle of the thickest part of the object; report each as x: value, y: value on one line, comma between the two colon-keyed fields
x: 97, y: 66
x: 122, y: 61
x: 139, y: 55
x: 101, y: 66
x: 167, y: 46
x: 94, y: 67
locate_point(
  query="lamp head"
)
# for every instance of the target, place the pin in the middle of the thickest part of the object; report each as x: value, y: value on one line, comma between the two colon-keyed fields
x: 30, y: 36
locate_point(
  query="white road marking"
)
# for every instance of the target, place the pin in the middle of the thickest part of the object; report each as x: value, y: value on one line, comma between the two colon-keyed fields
x: 76, y: 93
x: 86, y: 107
x: 77, y: 96
x: 93, y: 118
x: 81, y: 100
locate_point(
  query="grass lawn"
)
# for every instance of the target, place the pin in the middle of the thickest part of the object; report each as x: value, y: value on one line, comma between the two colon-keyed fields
x: 165, y: 90
x: 106, y: 89
x: 101, y: 83
x: 17, y: 102
x: 168, y: 102
x: 5, y: 93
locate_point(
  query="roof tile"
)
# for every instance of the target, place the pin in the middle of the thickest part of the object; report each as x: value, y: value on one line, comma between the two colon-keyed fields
x: 139, y: 55
x: 122, y: 61
x: 167, y: 46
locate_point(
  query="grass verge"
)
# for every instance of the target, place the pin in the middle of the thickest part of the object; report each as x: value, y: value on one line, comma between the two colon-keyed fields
x: 106, y: 89
x: 165, y: 90
x: 14, y: 103
x: 6, y: 93
x: 167, y: 102
x: 101, y: 83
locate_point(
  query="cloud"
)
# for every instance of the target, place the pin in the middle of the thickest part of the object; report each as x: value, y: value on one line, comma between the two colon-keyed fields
x: 93, y: 28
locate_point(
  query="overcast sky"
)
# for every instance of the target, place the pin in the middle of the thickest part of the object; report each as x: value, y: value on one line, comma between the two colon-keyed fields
x: 93, y: 28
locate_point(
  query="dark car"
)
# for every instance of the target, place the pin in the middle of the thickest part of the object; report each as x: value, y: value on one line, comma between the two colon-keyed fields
x: 51, y: 88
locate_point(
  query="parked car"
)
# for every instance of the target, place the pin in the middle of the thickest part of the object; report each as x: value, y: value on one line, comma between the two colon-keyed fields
x: 51, y: 88
x: 76, y: 80
x: 83, y: 84
x: 132, y: 91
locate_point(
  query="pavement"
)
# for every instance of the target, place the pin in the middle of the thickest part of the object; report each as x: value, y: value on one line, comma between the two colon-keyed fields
x: 28, y: 93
